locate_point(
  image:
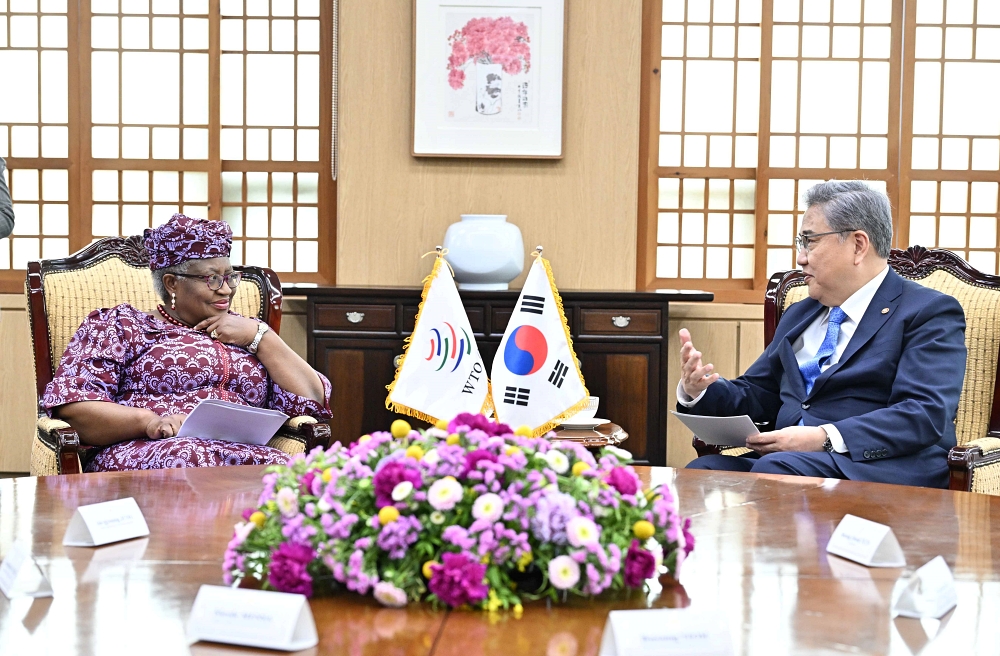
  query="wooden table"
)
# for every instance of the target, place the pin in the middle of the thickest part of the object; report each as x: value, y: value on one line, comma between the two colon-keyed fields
x: 760, y: 563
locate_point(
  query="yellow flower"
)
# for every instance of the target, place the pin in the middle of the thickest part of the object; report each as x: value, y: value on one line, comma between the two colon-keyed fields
x: 493, y: 603
x: 400, y: 428
x: 414, y: 451
x: 327, y: 474
x: 650, y: 494
x: 389, y: 514
x: 512, y: 451
x: 524, y: 560
x: 271, y: 505
x: 441, y: 424
x: 580, y: 467
x: 524, y: 431
x: 518, y: 610
x: 364, y: 438
x: 426, y: 569
x: 452, y: 439
x: 485, y: 560
x: 643, y: 529
x: 258, y: 518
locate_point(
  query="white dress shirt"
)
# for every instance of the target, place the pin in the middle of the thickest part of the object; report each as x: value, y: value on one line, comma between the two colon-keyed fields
x: 808, y: 343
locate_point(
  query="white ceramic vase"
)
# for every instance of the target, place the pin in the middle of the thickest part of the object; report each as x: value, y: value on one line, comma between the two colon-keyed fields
x: 485, y: 251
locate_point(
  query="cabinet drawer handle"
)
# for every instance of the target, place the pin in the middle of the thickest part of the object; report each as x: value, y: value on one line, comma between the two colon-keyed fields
x: 621, y: 322
x: 355, y: 317
x: 396, y: 360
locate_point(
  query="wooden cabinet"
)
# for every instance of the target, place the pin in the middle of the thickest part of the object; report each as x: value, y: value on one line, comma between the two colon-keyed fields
x: 620, y: 338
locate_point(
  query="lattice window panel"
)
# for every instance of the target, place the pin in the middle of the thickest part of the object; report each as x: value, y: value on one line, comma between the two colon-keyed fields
x: 34, y: 127
x: 707, y: 143
x: 270, y: 140
x: 955, y: 149
x: 128, y: 202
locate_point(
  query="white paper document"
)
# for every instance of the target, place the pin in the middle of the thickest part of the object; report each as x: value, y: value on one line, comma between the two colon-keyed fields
x: 930, y: 592
x: 666, y: 632
x: 20, y: 575
x: 252, y: 618
x: 104, y: 523
x: 721, y: 431
x: 866, y: 542
x: 213, y: 419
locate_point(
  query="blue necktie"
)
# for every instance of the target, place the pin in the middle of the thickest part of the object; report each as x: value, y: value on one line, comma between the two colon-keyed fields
x: 811, y: 369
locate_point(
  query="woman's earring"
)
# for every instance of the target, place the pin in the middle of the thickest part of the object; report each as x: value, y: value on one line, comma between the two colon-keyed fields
x: 173, y: 301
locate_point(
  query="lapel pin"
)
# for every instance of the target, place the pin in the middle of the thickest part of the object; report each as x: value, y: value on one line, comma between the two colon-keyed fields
x: 885, y: 310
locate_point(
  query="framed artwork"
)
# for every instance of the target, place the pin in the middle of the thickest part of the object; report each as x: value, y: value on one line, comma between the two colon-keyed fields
x: 488, y: 78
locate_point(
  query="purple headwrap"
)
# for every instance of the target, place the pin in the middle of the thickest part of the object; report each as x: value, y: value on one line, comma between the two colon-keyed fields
x: 183, y: 238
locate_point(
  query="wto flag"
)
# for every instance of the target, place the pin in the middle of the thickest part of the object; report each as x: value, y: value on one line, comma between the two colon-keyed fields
x: 536, y: 381
x: 441, y: 373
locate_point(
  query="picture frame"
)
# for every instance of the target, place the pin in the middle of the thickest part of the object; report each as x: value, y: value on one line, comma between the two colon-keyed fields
x: 488, y: 78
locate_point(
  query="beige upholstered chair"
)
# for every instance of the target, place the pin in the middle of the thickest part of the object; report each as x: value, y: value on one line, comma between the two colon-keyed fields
x: 975, y: 462
x: 115, y: 270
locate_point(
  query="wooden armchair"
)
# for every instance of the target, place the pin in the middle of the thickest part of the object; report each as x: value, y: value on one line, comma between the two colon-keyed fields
x: 115, y: 270
x: 975, y: 462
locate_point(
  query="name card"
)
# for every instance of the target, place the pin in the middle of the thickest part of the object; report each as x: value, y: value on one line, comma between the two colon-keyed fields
x: 930, y: 592
x: 252, y: 618
x: 104, y: 523
x: 866, y: 542
x: 665, y: 632
x: 20, y: 575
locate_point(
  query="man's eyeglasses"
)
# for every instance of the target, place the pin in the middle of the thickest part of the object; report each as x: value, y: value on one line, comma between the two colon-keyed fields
x: 215, y: 281
x: 805, y: 242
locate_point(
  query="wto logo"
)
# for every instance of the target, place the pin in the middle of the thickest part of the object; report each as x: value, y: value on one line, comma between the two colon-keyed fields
x: 449, y: 347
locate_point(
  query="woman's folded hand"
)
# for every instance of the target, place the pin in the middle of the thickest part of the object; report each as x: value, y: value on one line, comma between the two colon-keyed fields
x: 159, y: 428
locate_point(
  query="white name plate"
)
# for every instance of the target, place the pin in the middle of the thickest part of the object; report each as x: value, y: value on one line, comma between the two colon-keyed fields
x: 104, y: 523
x: 20, y: 575
x: 930, y: 592
x: 866, y: 542
x: 665, y: 632
x: 252, y: 618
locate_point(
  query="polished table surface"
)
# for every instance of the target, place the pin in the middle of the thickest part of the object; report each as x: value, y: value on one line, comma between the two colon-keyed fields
x: 760, y: 563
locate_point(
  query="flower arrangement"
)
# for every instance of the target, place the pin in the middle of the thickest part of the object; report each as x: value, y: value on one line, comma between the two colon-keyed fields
x: 489, y: 41
x: 467, y: 513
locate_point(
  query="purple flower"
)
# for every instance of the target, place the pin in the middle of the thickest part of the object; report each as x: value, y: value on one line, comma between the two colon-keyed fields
x: 288, y: 569
x: 305, y: 487
x: 473, y: 458
x: 388, y: 477
x: 553, y: 510
x: 246, y: 514
x: 623, y: 479
x: 479, y: 422
x: 458, y: 580
x: 639, y: 565
x: 396, y: 537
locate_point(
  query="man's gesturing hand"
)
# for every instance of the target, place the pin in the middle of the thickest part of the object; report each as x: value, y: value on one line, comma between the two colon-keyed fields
x: 695, y: 376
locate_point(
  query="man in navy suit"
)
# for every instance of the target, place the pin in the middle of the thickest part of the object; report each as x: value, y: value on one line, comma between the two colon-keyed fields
x: 862, y: 379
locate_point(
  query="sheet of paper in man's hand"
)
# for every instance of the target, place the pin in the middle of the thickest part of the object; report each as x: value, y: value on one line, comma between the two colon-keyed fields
x: 220, y: 420
x: 722, y: 431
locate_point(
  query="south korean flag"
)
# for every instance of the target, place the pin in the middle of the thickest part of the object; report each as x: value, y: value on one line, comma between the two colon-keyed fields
x: 536, y: 381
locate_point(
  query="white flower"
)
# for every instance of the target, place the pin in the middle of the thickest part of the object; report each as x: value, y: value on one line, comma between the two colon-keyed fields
x: 581, y: 531
x: 402, y: 490
x: 437, y: 517
x: 655, y: 548
x: 602, y: 511
x: 489, y: 507
x: 431, y: 458
x: 621, y: 454
x: 389, y: 595
x: 434, y: 431
x: 323, y: 505
x: 564, y: 572
x: 241, y: 531
x: 558, y: 461
x: 288, y: 502
x: 444, y: 493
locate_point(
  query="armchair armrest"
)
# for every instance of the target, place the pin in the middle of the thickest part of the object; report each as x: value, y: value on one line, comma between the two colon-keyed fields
x: 307, y: 430
x: 64, y: 442
x: 975, y: 466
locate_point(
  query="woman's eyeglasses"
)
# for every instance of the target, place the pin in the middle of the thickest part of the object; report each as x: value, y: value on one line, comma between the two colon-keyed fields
x: 215, y: 281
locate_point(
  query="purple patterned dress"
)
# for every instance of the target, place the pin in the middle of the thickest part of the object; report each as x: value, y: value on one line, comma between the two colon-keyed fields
x: 123, y: 355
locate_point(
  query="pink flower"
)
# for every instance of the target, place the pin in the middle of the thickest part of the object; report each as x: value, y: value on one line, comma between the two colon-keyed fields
x: 474, y: 457
x: 479, y: 422
x: 391, y: 475
x: 458, y: 580
x: 639, y: 565
x: 623, y: 480
x: 389, y: 595
x: 288, y: 569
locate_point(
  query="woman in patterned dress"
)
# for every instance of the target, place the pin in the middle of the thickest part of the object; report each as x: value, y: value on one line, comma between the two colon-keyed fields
x: 128, y: 379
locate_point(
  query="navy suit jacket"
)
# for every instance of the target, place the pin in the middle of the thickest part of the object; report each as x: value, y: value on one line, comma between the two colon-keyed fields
x: 893, y: 394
